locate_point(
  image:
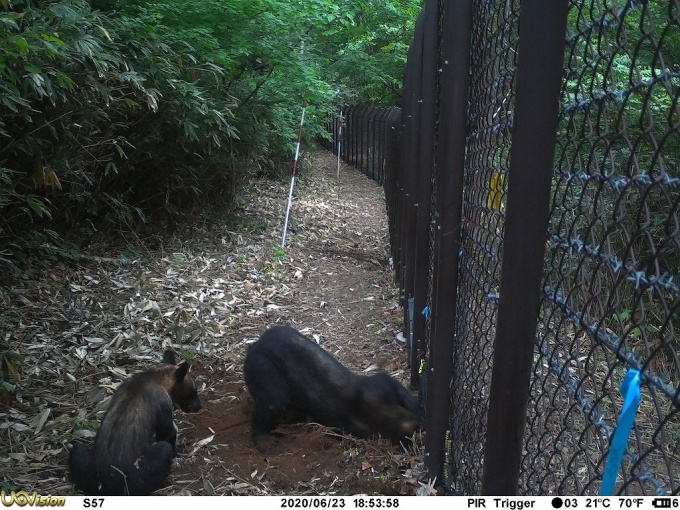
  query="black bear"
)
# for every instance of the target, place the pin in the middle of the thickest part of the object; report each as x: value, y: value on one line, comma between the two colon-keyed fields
x: 135, y: 444
x: 292, y: 379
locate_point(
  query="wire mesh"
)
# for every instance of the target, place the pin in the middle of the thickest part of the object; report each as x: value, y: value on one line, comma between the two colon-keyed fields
x: 487, y: 160
x: 610, y: 298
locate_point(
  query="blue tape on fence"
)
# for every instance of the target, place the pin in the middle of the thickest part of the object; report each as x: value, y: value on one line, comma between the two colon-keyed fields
x: 630, y: 390
x: 426, y: 313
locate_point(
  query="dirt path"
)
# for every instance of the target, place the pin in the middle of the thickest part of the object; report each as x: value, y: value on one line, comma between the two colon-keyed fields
x: 209, y: 292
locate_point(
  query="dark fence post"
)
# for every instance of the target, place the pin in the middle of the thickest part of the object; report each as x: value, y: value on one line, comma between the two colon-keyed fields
x: 399, y: 197
x: 539, y: 73
x: 374, y: 144
x: 455, y: 64
x: 361, y: 138
x: 383, y: 136
x: 392, y: 169
x: 356, y: 115
x: 378, y: 125
x: 364, y: 138
x: 366, y: 130
x: 343, y: 145
x: 349, y: 120
x: 354, y: 130
x: 423, y: 182
x: 411, y: 145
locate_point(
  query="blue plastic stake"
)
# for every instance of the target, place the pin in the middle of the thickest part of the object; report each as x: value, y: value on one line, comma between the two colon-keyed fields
x: 630, y: 390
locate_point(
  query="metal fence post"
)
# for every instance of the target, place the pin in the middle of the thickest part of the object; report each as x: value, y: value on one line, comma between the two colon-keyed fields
x: 390, y: 179
x: 348, y: 150
x: 423, y: 182
x: 361, y: 137
x: 410, y: 149
x: 383, y: 136
x: 455, y: 62
x: 374, y: 144
x: 539, y: 74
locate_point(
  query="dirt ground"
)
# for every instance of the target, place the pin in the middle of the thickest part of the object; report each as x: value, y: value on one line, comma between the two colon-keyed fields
x: 310, y: 459
x: 209, y: 291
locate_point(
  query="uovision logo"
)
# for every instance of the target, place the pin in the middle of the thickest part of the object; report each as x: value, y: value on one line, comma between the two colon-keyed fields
x: 23, y: 498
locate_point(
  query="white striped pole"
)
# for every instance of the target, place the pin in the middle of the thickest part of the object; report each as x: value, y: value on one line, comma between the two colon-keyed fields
x: 292, y: 179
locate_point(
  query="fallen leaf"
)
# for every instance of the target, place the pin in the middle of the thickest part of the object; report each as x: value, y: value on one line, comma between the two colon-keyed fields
x: 39, y: 421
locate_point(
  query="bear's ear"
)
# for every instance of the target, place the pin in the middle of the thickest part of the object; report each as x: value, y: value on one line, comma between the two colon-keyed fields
x: 181, y: 372
x: 169, y: 357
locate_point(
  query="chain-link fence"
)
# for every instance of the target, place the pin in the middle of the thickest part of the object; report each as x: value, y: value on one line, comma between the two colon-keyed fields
x: 532, y: 181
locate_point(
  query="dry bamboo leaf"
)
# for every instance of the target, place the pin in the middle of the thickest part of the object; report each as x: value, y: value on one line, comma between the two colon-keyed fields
x: 208, y: 488
x: 84, y: 434
x: 201, y: 443
x: 38, y: 421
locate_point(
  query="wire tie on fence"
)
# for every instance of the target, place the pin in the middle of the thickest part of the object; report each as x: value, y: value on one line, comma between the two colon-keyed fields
x: 426, y: 312
x: 630, y: 390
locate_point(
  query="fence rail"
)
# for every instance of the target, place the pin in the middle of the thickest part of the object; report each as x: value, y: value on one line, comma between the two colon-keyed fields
x: 532, y: 182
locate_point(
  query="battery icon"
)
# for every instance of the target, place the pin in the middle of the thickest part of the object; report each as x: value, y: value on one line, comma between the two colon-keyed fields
x: 661, y: 502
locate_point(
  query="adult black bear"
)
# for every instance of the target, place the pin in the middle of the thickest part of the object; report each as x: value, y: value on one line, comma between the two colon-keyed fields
x: 291, y: 378
x: 135, y: 444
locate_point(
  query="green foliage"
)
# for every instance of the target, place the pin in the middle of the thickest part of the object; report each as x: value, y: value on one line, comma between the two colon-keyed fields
x: 8, y: 487
x: 242, y: 223
x: 278, y: 253
x: 112, y: 112
x: 80, y: 424
x: 189, y: 355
